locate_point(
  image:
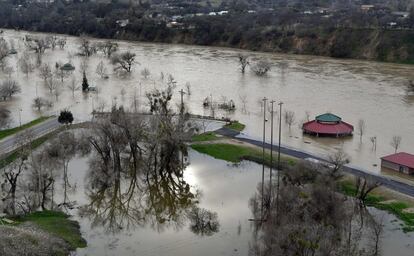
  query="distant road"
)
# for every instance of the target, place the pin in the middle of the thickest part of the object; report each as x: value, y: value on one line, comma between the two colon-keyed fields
x: 386, y: 182
x: 9, y: 143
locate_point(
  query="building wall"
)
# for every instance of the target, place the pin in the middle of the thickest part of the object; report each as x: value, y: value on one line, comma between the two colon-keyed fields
x: 396, y: 167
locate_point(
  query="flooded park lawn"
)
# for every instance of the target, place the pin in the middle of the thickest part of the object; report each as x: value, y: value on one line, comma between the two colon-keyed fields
x: 378, y: 93
x: 210, y: 178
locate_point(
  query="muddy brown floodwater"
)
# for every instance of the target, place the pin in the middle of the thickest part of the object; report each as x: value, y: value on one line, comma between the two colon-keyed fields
x: 211, y: 177
x: 379, y: 93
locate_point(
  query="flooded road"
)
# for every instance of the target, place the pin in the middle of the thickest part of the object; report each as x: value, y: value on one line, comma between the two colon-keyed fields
x: 375, y: 92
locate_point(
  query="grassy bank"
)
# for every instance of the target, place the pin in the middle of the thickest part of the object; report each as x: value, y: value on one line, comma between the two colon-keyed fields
x: 235, y: 126
x: 380, y: 202
x: 235, y: 153
x: 208, y: 136
x: 11, y: 131
x: 56, y: 223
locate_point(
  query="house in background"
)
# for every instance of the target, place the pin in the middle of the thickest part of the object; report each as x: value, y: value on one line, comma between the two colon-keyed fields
x: 401, y: 162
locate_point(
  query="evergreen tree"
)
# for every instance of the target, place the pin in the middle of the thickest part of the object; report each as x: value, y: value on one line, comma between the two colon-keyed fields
x: 85, y: 84
x: 65, y: 117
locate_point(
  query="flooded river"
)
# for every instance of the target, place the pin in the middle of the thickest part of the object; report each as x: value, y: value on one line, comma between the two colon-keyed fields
x: 375, y: 92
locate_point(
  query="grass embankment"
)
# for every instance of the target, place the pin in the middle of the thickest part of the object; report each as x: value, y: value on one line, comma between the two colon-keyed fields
x: 380, y: 202
x: 208, y: 136
x: 56, y: 223
x: 235, y: 126
x: 11, y: 131
x: 235, y: 153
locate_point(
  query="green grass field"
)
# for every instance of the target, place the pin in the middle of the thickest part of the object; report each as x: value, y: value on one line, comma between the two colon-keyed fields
x: 235, y: 153
x: 57, y: 223
x: 235, y: 126
x: 208, y: 136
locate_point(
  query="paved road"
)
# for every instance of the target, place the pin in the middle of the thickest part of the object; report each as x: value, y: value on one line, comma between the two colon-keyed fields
x: 385, y: 181
x: 9, y: 143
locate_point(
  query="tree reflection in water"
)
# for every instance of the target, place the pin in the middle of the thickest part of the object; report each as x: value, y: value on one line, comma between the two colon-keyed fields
x: 136, y: 171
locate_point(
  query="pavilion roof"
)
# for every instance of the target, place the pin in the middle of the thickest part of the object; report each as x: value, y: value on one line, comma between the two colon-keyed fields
x: 328, y: 117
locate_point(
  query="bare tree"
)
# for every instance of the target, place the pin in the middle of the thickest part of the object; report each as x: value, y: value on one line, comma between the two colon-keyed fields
x: 26, y: 64
x: 261, y: 68
x: 361, y: 128
x: 124, y: 61
x: 52, y: 41
x: 243, y: 99
x: 4, y: 53
x: 108, y: 48
x: 45, y: 72
x: 41, y: 180
x: 289, y: 118
x: 61, y: 73
x: 11, y: 173
x: 61, y: 151
x: 374, y: 142
x: 62, y: 43
x: 101, y: 70
x: 4, y: 117
x: 323, y: 222
x: 51, y: 84
x: 243, y: 62
x: 377, y: 229
x: 57, y: 91
x: 145, y: 73
x: 39, y: 45
x: 364, y: 186
x: 40, y: 103
x: 8, y: 71
x: 86, y: 48
x: 9, y: 88
x: 84, y: 65
x: 396, y: 142
x: 338, y: 159
x: 73, y: 86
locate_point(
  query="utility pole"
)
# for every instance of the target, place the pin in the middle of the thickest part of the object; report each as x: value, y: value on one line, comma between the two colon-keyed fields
x: 20, y: 117
x: 278, y: 161
x: 182, y: 123
x: 271, y: 153
x: 263, y: 153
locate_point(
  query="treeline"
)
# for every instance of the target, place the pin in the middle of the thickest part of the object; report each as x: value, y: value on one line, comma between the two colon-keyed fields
x: 340, y: 34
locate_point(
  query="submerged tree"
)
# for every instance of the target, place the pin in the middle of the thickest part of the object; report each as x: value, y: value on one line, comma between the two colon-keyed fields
x: 361, y: 128
x: 243, y: 62
x: 4, y: 53
x: 310, y: 217
x: 137, y: 167
x: 4, y: 117
x: 261, y: 68
x: 9, y: 88
x: 396, y: 142
x: 124, y: 61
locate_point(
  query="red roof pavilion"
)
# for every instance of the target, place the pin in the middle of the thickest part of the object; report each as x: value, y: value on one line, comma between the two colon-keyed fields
x: 328, y: 125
